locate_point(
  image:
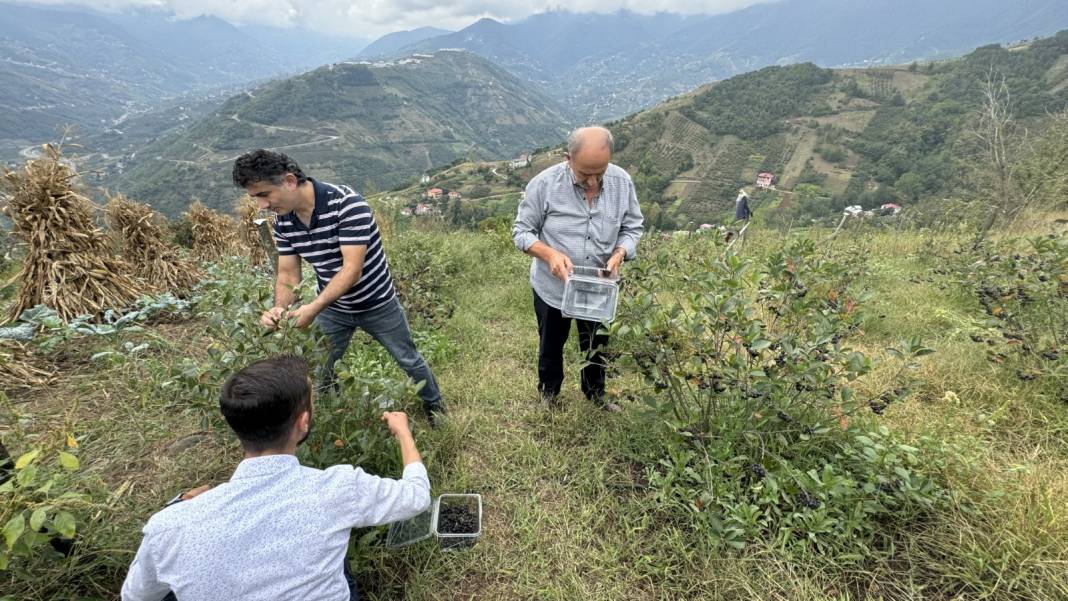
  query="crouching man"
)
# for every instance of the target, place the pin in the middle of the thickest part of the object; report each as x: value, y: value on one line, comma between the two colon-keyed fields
x: 277, y: 530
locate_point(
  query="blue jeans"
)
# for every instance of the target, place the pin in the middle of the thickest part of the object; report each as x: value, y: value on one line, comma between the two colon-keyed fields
x: 388, y: 325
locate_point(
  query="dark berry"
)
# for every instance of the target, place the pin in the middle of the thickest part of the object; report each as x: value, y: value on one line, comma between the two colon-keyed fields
x: 809, y: 501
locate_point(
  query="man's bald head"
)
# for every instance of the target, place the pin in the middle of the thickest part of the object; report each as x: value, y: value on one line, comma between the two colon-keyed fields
x: 589, y: 149
x: 592, y: 138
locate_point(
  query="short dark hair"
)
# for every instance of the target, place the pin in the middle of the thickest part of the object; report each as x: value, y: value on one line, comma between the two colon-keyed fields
x: 265, y: 166
x: 262, y: 401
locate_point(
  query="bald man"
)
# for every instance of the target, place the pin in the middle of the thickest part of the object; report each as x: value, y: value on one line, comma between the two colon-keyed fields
x: 583, y: 211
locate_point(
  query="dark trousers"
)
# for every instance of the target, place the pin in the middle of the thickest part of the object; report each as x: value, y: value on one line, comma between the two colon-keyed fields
x: 389, y: 326
x: 553, y: 330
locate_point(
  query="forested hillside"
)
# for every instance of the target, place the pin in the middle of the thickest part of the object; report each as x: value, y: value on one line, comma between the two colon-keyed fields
x: 370, y: 126
x: 854, y: 136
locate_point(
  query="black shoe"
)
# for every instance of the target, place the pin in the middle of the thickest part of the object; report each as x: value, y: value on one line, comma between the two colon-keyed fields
x: 435, y: 415
x: 608, y: 406
x: 551, y: 399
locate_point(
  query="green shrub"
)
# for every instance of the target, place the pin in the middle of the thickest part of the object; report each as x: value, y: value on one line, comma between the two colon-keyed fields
x: 1022, y: 286
x: 769, y: 428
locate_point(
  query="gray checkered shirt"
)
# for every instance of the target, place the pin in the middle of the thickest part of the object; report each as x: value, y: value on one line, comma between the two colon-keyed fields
x: 555, y: 211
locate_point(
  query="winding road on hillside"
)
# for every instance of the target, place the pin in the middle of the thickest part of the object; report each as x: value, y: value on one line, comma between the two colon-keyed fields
x: 206, y: 159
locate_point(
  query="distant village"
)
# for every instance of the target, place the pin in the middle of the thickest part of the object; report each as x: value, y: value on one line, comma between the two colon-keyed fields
x: 434, y: 200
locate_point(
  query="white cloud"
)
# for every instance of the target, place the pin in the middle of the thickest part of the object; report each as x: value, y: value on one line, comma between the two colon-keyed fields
x: 372, y: 18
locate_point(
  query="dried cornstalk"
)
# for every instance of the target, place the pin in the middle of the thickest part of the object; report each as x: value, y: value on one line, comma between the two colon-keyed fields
x: 248, y: 213
x: 144, y: 243
x: 69, y: 265
x: 213, y: 233
x: 18, y: 371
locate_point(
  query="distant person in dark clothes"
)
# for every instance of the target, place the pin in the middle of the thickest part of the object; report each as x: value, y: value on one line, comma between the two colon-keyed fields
x: 332, y: 228
x: 583, y: 211
x: 741, y: 207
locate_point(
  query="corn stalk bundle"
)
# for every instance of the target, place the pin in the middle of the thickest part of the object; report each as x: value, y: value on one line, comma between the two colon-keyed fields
x: 16, y: 370
x: 249, y: 232
x: 213, y: 232
x: 69, y: 265
x: 144, y: 243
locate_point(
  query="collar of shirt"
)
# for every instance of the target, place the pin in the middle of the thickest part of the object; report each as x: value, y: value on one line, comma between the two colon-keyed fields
x: 322, y: 201
x: 268, y: 465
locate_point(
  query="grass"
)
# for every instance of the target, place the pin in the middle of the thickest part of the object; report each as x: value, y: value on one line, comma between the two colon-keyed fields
x: 568, y: 512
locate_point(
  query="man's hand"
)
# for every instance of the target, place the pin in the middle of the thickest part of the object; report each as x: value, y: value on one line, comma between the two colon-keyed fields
x: 189, y: 494
x: 615, y: 261
x: 272, y: 316
x: 397, y: 421
x: 303, y: 315
x: 560, y: 265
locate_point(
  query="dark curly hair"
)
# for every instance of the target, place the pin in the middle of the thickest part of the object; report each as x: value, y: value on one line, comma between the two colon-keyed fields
x: 263, y: 166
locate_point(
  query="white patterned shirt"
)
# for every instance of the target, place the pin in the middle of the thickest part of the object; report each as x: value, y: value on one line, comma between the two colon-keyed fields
x: 554, y: 210
x: 276, y: 531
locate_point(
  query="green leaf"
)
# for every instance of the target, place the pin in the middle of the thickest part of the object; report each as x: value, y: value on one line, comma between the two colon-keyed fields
x: 26, y: 459
x: 26, y: 476
x: 14, y: 529
x: 68, y: 461
x: 38, y: 518
x: 64, y: 524
x: 760, y: 345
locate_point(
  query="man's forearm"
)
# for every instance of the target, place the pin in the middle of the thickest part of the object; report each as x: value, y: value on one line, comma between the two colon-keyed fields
x: 283, y: 291
x: 541, y: 250
x: 342, y: 282
x: 409, y: 454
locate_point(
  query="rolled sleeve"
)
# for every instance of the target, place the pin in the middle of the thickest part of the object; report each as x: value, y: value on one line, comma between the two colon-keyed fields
x: 376, y: 500
x: 529, y: 218
x: 632, y: 225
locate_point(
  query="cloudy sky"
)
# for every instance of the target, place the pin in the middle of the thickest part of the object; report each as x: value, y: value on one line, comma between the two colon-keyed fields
x: 372, y: 18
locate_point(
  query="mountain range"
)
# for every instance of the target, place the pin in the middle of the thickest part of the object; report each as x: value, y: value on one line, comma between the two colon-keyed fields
x: 605, y: 66
x: 367, y: 125
x: 66, y: 65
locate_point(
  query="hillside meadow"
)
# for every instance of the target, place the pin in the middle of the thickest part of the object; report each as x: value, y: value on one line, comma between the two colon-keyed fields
x: 805, y: 417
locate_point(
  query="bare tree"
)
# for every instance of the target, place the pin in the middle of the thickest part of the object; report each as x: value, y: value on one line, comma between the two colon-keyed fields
x: 1018, y: 172
x: 995, y: 128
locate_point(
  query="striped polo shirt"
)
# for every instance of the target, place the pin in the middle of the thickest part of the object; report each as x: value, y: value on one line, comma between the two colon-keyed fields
x: 341, y: 218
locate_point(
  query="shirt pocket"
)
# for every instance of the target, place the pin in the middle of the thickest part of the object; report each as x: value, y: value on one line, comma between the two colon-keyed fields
x: 611, y: 217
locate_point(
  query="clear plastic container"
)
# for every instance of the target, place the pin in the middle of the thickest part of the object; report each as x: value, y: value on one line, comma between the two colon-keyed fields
x: 411, y: 530
x: 591, y: 294
x: 457, y: 520
x: 458, y: 526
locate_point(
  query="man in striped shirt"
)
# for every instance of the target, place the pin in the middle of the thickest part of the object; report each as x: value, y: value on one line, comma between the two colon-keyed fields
x: 332, y: 228
x: 580, y: 212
